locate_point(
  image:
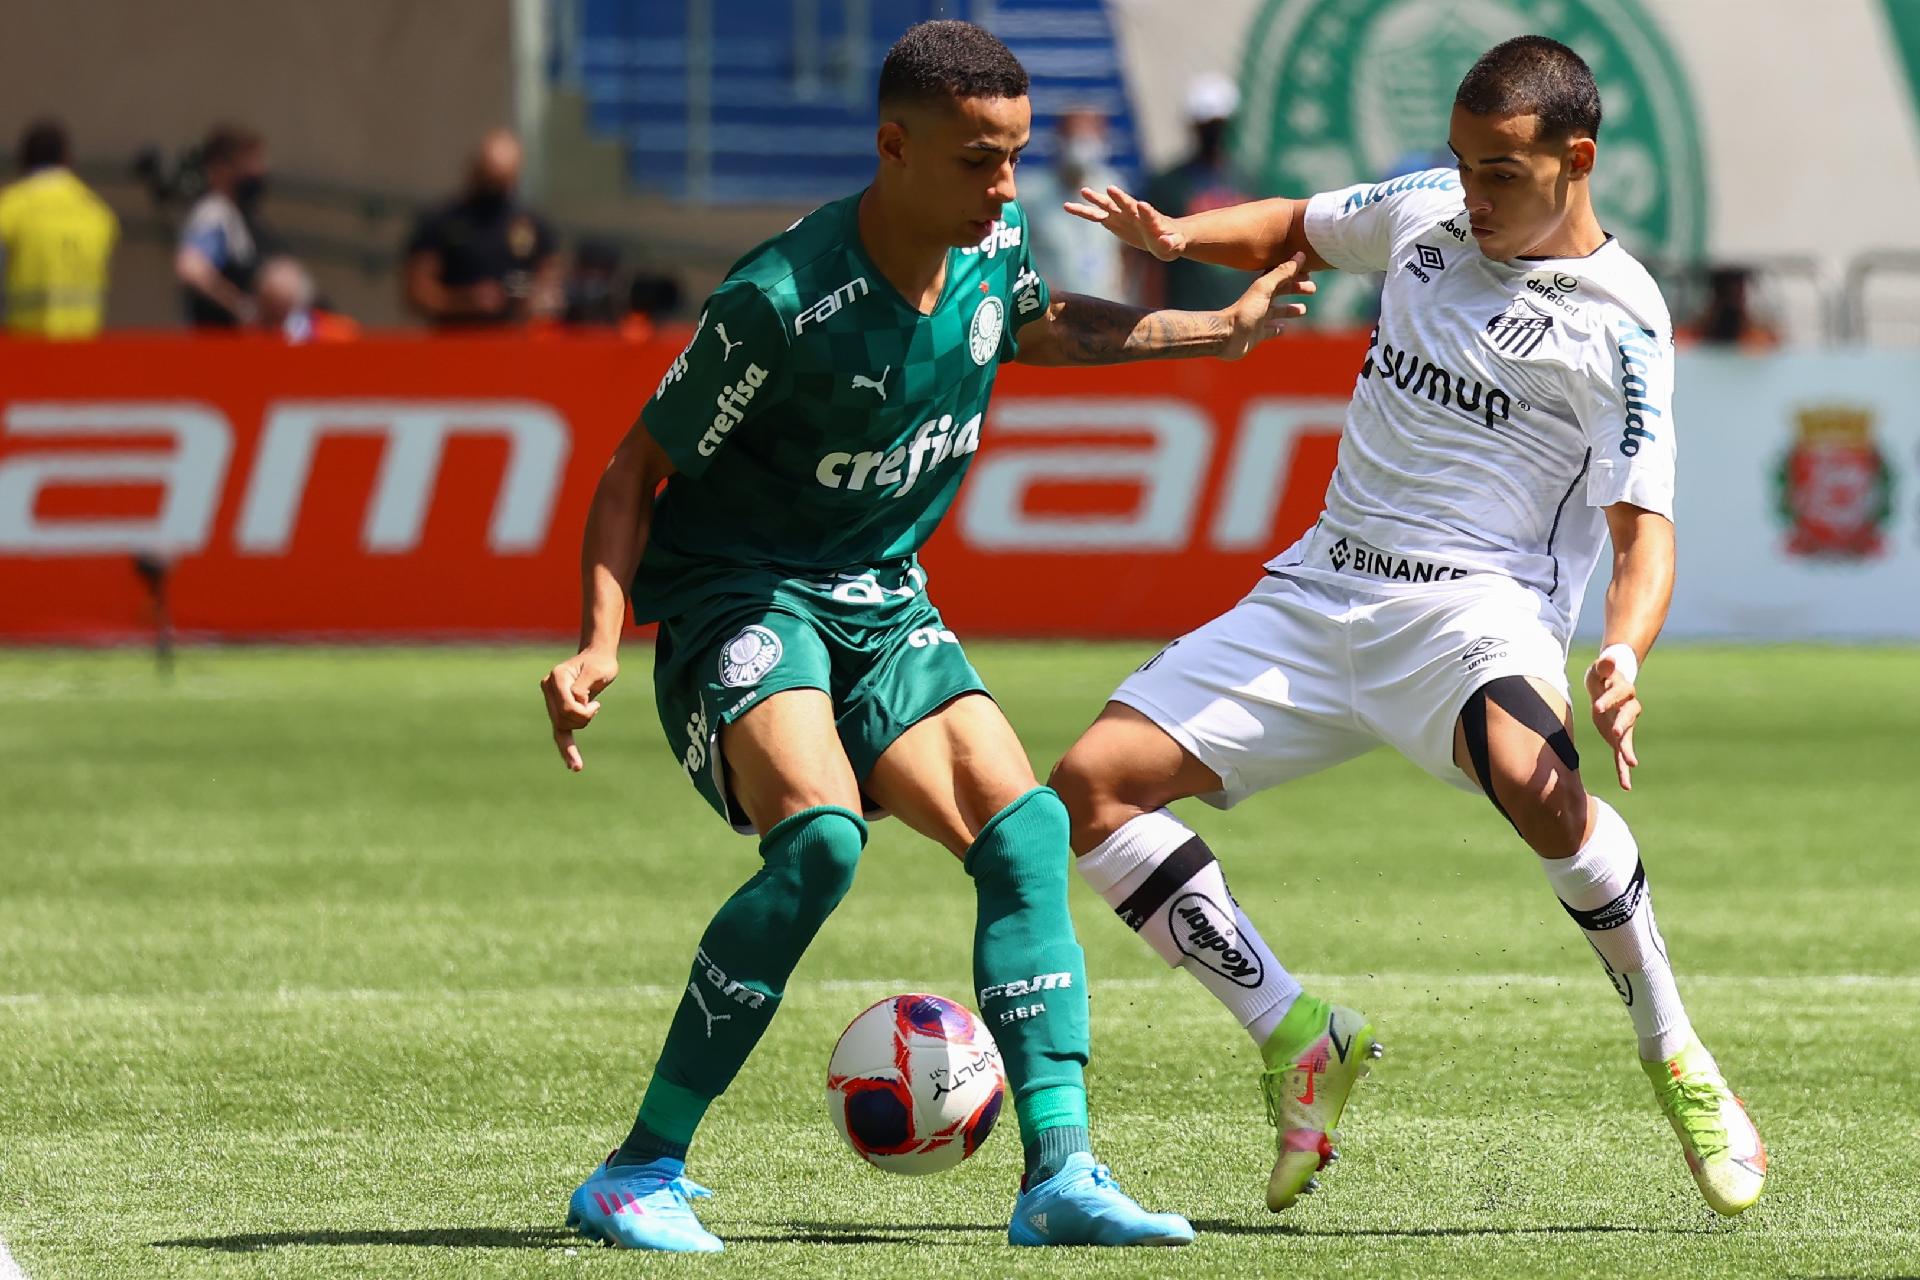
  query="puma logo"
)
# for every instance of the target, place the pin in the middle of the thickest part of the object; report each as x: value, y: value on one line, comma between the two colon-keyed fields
x: 720, y: 331
x: 710, y: 1016
x: 863, y: 383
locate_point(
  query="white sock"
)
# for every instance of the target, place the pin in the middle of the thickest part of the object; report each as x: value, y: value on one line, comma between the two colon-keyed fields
x: 1604, y: 888
x: 1164, y: 882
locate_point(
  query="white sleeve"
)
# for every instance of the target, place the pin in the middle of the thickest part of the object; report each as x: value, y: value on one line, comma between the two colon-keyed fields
x: 1624, y: 399
x: 1356, y: 228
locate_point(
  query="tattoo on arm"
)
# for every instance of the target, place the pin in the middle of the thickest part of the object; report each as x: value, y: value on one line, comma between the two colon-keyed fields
x: 1083, y: 330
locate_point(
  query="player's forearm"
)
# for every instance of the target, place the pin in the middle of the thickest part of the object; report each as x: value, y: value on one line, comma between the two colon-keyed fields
x: 1078, y: 330
x: 1251, y: 237
x: 1642, y: 586
x: 618, y: 522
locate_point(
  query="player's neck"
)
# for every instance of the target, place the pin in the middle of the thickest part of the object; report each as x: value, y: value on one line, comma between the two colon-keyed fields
x: 917, y: 268
x: 1578, y: 235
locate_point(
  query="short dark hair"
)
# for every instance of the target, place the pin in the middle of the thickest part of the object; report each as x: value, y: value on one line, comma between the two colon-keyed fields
x: 226, y: 143
x: 936, y: 61
x: 1534, y: 75
x: 42, y: 143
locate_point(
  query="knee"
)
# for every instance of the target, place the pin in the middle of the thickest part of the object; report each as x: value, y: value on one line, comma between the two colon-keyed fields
x: 1022, y: 845
x: 1093, y: 811
x: 818, y: 850
x: 1550, y: 813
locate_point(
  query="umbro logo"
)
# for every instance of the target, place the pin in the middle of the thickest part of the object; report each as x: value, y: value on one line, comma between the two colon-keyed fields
x: 1520, y: 329
x: 1484, y: 650
x: 1425, y: 259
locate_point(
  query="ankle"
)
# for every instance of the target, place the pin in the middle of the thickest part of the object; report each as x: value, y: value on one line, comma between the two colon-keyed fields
x: 1050, y: 1150
x: 1305, y: 1021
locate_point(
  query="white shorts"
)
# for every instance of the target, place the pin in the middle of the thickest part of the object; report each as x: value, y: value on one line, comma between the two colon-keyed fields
x: 1304, y: 674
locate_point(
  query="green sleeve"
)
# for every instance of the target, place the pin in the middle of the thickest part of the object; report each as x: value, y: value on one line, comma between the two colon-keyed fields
x: 1029, y: 293
x: 733, y: 367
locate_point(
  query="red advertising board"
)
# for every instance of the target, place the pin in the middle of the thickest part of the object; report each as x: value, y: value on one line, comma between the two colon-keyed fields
x: 414, y: 487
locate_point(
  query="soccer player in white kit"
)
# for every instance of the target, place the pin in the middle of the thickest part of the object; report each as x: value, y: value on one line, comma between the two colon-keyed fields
x: 1515, y: 408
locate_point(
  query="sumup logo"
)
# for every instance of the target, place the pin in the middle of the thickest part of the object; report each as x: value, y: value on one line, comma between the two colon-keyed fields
x: 1343, y: 91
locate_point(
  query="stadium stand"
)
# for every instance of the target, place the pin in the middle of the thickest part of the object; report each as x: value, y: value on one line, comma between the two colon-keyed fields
x: 773, y: 103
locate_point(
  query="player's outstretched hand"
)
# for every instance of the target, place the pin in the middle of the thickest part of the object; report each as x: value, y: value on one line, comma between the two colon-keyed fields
x: 572, y: 690
x: 1134, y: 221
x: 1260, y: 313
x: 1616, y: 708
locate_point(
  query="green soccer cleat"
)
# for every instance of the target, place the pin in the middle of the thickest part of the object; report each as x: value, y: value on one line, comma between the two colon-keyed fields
x: 1721, y: 1145
x: 1314, y: 1058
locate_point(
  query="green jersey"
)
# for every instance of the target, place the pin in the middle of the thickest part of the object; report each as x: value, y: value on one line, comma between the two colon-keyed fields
x: 817, y: 422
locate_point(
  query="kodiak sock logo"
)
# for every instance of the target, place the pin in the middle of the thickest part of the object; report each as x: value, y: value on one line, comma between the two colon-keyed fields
x: 1202, y: 929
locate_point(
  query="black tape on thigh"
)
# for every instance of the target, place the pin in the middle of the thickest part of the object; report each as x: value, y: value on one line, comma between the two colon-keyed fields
x: 1519, y: 699
x: 1516, y: 696
x: 1182, y: 865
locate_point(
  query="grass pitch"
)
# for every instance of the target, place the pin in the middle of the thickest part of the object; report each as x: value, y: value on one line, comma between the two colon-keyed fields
x: 317, y: 963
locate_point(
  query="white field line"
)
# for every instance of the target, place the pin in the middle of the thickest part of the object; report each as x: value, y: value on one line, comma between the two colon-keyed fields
x: 884, y: 986
x: 9, y: 1269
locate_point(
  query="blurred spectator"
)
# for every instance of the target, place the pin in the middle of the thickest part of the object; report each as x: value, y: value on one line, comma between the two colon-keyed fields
x: 1726, y: 318
x: 651, y: 298
x: 220, y: 245
x: 592, y: 295
x: 485, y: 258
x: 55, y: 236
x: 1075, y: 256
x: 283, y: 292
x: 1205, y: 180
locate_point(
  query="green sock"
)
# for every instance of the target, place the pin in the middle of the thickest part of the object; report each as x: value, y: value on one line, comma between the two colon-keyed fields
x: 1029, y: 970
x: 740, y: 973
x: 1047, y: 1154
x: 676, y: 1111
x: 1307, y: 1019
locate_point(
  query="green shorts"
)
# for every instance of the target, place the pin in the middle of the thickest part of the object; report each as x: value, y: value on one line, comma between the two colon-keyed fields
x: 872, y: 641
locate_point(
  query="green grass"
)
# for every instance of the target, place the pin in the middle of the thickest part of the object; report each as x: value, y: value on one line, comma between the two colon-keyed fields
x: 318, y: 963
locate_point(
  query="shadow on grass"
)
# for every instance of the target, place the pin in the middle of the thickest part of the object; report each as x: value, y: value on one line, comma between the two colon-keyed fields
x: 832, y: 1233
x: 1224, y: 1227
x: 908, y: 1233
x: 432, y: 1238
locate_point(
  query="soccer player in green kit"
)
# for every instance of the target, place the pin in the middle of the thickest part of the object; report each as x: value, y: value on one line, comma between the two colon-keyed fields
x: 811, y: 436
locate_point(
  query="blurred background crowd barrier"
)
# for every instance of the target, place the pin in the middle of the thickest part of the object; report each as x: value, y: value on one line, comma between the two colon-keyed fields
x: 369, y: 290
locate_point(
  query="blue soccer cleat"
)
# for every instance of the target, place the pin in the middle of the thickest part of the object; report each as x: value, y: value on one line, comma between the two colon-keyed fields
x: 1082, y: 1204
x: 641, y: 1206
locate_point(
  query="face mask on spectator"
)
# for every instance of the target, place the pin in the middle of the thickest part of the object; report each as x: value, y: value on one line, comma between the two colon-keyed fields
x: 248, y: 191
x: 489, y: 199
x: 1085, y: 152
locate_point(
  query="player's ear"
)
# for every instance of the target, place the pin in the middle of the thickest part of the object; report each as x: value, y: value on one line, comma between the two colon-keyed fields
x: 1580, y: 156
x: 891, y: 142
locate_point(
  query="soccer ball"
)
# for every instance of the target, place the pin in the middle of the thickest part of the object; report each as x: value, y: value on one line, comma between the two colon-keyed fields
x: 915, y: 1084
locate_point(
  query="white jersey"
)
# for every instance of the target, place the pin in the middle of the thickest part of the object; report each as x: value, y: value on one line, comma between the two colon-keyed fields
x: 1501, y: 406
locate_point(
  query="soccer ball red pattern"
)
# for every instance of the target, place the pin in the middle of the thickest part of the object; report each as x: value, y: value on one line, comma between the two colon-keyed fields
x: 915, y: 1084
